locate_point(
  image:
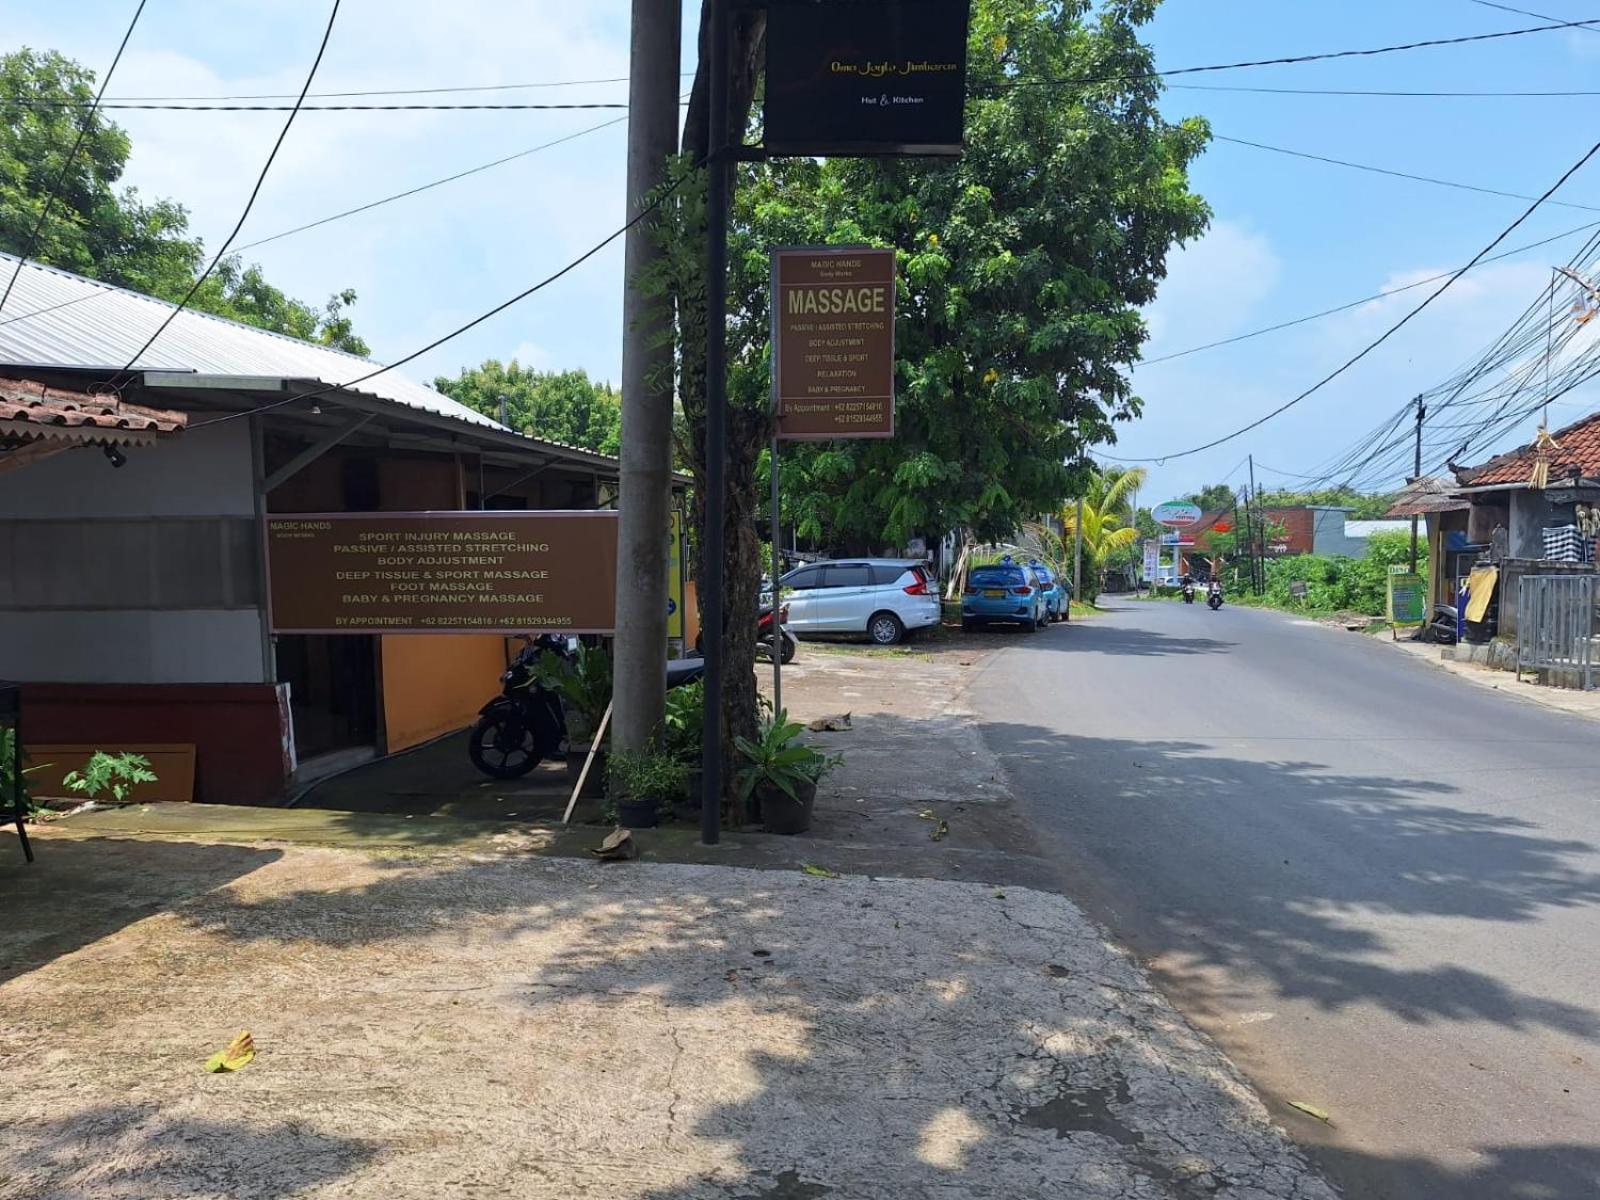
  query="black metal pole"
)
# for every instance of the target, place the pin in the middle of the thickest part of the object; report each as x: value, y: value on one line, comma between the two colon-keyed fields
x: 718, y: 197
x: 17, y: 806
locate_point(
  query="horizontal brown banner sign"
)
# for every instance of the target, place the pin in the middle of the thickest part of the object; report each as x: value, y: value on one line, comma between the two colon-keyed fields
x: 447, y: 572
x: 833, y: 343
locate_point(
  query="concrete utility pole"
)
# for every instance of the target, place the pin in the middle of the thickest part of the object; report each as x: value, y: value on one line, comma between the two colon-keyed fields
x: 1077, y: 555
x: 645, y: 494
x: 1258, y: 551
x: 1416, y: 474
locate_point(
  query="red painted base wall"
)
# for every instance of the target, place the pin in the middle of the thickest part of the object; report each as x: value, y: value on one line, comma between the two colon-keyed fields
x: 240, y: 731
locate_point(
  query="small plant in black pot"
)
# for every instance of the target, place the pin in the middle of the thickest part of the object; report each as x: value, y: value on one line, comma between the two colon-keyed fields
x: 778, y: 781
x: 643, y: 782
x: 584, y: 685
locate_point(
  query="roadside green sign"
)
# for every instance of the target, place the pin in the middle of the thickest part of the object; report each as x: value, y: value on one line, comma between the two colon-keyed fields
x: 1406, y: 597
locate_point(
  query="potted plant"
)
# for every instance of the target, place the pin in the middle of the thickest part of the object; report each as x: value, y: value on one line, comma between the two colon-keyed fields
x: 584, y: 684
x: 778, y: 782
x: 683, y: 731
x: 642, y: 783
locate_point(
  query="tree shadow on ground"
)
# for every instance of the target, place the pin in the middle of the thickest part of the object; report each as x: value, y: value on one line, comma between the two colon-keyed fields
x: 1393, y: 846
x: 691, y: 1031
x: 78, y: 891
x: 136, y: 1150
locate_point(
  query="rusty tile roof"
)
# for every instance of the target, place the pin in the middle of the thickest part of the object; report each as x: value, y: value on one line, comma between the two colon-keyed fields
x: 1579, y: 455
x: 30, y: 411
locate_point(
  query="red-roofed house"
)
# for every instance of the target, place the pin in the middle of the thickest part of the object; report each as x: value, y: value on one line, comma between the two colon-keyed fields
x: 1535, y: 488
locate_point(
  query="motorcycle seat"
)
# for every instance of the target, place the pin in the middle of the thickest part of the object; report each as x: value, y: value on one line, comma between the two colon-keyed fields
x: 684, y: 670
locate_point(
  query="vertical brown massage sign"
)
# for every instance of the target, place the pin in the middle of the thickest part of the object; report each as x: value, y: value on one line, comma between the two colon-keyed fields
x: 833, y: 343
x: 445, y: 572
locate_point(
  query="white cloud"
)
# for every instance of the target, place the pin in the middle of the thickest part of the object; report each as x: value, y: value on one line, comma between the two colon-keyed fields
x: 1214, y: 288
x: 420, y: 265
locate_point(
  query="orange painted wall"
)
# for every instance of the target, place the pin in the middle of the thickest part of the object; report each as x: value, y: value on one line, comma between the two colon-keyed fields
x: 436, y: 683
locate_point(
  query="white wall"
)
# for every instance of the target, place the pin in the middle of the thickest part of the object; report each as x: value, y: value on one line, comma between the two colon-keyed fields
x: 206, y: 472
x: 185, y: 646
x: 1327, y: 534
x: 202, y: 473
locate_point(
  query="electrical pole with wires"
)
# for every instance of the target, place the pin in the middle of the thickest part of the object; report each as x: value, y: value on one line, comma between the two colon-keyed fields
x: 1077, y: 553
x: 1416, y: 475
x: 1258, y: 567
x: 645, y: 477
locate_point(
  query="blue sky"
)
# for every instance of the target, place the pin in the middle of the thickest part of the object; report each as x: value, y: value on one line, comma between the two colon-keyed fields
x: 1289, y: 236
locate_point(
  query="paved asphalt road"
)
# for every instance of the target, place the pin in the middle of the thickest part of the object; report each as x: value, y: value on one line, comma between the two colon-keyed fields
x: 1377, y: 885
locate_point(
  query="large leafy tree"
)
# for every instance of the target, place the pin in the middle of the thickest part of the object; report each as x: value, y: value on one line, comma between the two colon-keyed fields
x: 564, y: 406
x: 1367, y: 506
x: 96, y: 230
x: 1213, y: 498
x: 1023, y: 267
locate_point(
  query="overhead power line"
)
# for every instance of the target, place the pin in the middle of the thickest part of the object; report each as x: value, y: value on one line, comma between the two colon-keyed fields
x: 1432, y: 95
x: 1521, y: 12
x: 266, y: 167
x: 643, y: 214
x: 299, y: 108
x: 1355, y: 166
x: 1388, y: 333
x: 1295, y: 59
x: 1347, y: 306
x: 228, y: 103
x: 416, y: 91
x: 498, y: 162
x: 32, y: 243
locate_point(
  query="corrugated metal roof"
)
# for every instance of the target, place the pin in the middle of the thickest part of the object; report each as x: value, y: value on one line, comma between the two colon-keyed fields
x: 57, y: 319
x: 1430, y: 494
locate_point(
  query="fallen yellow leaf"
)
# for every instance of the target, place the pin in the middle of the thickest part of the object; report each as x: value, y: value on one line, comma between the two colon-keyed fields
x: 1311, y: 1110
x: 240, y: 1052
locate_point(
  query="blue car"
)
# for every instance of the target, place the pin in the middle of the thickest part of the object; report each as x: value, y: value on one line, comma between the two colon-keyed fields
x: 1004, y: 592
x: 1056, y: 592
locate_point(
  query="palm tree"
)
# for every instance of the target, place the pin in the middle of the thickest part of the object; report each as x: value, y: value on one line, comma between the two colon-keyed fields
x: 1108, y: 528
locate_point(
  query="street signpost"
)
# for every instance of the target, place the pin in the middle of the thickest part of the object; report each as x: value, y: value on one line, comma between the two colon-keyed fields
x: 862, y: 78
x: 832, y: 366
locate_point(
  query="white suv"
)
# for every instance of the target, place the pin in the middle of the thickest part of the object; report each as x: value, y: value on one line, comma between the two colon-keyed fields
x: 884, y: 598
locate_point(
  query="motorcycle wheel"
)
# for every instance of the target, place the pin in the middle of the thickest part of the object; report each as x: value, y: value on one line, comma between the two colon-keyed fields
x: 501, y: 750
x: 789, y: 651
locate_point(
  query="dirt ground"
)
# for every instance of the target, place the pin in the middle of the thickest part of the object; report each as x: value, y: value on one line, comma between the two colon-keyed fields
x: 450, y: 1007
x: 513, y: 1026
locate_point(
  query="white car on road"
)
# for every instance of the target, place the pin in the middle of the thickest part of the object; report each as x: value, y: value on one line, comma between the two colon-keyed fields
x: 884, y: 598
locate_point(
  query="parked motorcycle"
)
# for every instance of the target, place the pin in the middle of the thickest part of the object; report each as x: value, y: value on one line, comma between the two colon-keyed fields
x: 1214, y: 596
x: 788, y: 643
x: 526, y: 724
x: 1442, y: 630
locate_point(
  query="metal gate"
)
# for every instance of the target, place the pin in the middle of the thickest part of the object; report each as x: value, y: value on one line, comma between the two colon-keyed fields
x: 1555, y: 628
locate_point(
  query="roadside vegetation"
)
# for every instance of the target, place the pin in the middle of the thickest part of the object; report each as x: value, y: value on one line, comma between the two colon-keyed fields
x: 1333, y: 586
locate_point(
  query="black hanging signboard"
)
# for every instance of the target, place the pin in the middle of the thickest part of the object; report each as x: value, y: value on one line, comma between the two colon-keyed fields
x: 863, y: 78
